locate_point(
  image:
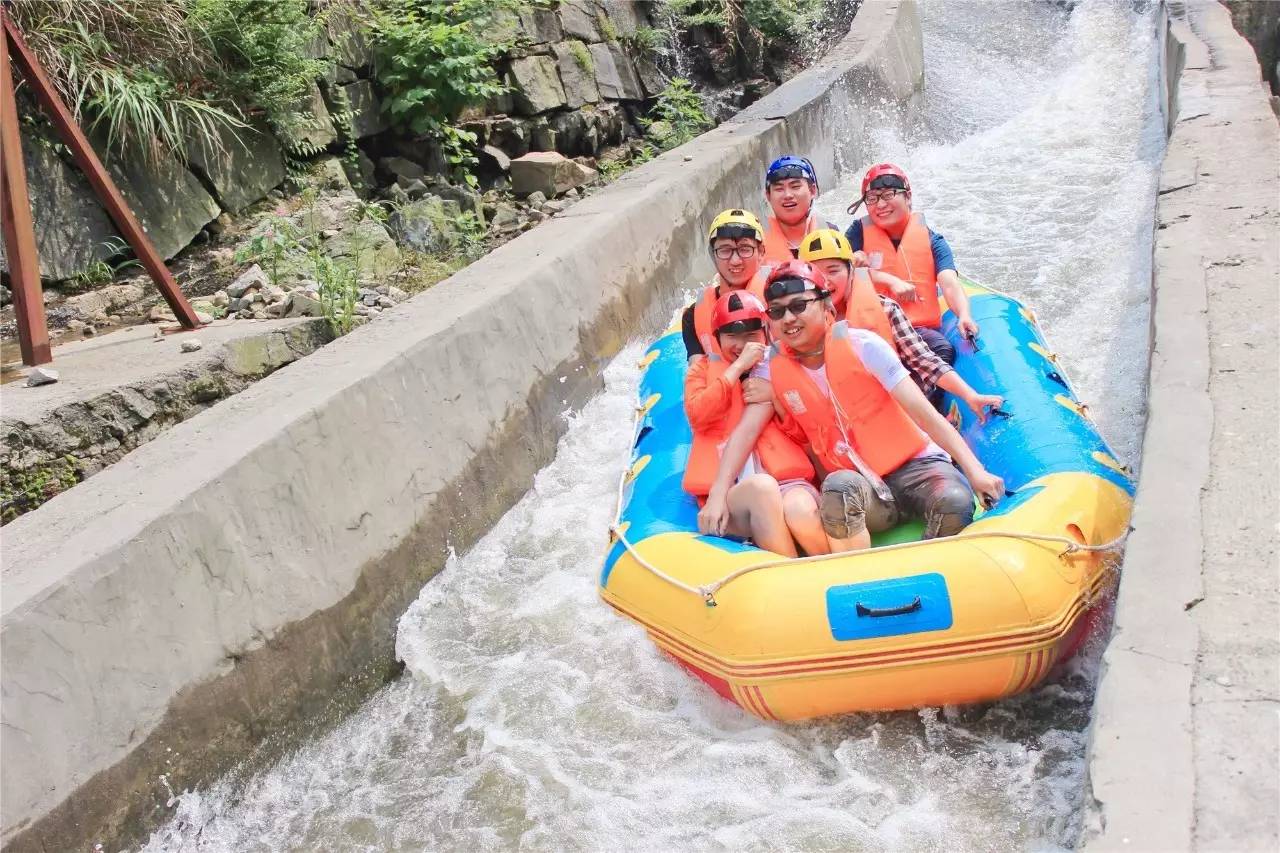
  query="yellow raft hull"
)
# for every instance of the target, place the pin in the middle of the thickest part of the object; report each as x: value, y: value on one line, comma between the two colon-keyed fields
x: 946, y: 621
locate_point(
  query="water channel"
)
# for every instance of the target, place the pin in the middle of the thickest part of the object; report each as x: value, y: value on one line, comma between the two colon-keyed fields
x: 531, y: 716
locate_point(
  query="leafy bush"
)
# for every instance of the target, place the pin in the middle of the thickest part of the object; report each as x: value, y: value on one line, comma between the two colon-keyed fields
x: 434, y: 60
x: 263, y: 46
x: 677, y: 116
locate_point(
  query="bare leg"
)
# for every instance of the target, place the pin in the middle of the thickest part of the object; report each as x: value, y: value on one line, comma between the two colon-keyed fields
x: 755, y: 511
x: 800, y: 509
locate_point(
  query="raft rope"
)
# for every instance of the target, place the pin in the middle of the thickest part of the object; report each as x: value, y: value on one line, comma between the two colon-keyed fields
x: 707, y: 591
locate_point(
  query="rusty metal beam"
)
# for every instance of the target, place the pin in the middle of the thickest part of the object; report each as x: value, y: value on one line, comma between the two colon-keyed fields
x: 98, y: 178
x: 16, y: 226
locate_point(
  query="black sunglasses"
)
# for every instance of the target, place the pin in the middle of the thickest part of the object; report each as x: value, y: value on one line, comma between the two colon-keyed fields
x: 796, y: 307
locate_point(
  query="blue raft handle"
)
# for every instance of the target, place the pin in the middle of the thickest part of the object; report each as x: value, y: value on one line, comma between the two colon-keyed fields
x: 873, y: 612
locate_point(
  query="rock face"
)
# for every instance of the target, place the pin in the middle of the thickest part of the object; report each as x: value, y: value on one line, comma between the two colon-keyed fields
x: 367, y: 118
x: 167, y: 199
x: 245, y: 167
x: 70, y: 225
x: 577, y: 73
x: 547, y: 172
x: 313, y: 129
x: 615, y: 74
x: 537, y: 85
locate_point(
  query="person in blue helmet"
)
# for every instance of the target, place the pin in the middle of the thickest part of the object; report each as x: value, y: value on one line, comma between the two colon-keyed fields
x: 790, y: 187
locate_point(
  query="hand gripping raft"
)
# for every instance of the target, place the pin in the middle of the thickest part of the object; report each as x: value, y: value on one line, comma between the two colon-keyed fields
x: 969, y: 618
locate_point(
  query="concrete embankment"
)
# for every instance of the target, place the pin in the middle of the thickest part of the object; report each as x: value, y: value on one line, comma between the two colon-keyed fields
x: 1185, y: 751
x: 236, y: 582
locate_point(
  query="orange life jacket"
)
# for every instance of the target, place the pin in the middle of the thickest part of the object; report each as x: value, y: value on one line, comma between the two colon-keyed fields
x: 864, y: 418
x: 865, y: 311
x: 777, y: 248
x: 911, y: 260
x: 714, y: 408
x: 706, y: 306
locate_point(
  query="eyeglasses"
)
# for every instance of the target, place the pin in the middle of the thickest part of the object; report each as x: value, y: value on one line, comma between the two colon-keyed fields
x: 875, y: 197
x: 724, y: 253
x: 796, y: 307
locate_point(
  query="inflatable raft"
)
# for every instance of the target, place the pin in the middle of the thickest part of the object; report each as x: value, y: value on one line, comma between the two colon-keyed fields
x: 908, y: 623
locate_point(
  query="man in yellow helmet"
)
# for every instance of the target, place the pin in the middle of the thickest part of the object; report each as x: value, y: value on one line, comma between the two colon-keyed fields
x: 734, y: 240
x: 855, y: 299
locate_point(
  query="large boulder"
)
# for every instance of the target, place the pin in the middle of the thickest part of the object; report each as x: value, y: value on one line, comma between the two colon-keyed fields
x: 579, y: 20
x: 569, y: 128
x: 378, y: 254
x: 625, y: 16
x: 426, y: 225
x: 366, y: 112
x: 511, y: 135
x: 72, y: 229
x: 351, y: 46
x: 547, y: 172
x: 309, y: 128
x: 169, y: 202
x: 615, y: 74
x: 536, y: 85
x: 652, y: 80
x: 241, y: 166
x: 577, y: 73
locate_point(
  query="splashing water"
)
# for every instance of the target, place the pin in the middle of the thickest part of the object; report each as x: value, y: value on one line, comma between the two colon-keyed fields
x: 533, y: 717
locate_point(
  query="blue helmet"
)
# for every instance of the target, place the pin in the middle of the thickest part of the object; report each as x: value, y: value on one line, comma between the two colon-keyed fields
x: 789, y: 166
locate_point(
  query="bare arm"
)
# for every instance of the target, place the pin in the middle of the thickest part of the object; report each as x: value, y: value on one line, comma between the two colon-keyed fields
x: 740, y: 444
x: 977, y: 403
x: 713, y: 518
x: 957, y: 301
x: 944, y: 435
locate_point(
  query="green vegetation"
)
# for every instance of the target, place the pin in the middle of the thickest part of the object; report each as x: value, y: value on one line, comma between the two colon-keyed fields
x: 152, y: 75
x: 581, y: 55
x: 26, y: 490
x: 677, y: 116
x: 434, y: 60
x: 262, y: 48
x: 100, y: 272
x: 271, y: 245
x: 701, y: 13
x: 648, y: 41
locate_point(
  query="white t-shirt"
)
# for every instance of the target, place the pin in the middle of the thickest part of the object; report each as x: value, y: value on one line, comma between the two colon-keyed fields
x: 881, y: 361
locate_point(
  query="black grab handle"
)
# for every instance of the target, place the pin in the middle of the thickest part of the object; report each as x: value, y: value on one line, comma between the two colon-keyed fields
x: 864, y: 610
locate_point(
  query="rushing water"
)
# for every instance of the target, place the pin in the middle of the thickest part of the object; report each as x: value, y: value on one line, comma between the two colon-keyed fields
x: 533, y: 717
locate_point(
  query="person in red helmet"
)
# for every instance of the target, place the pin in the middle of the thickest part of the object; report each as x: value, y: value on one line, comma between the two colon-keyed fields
x: 909, y: 261
x: 790, y: 188
x: 768, y: 497
x: 886, y: 452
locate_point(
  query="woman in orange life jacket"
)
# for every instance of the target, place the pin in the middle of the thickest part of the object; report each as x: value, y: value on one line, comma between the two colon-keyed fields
x: 854, y: 299
x: 886, y: 451
x: 768, y: 495
x: 790, y: 187
x: 734, y: 240
x: 909, y: 261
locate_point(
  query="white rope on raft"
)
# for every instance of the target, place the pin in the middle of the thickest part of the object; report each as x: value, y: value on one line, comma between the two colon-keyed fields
x: 707, y: 591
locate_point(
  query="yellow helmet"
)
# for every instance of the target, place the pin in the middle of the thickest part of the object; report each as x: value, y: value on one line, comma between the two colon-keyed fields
x: 735, y: 223
x: 824, y: 244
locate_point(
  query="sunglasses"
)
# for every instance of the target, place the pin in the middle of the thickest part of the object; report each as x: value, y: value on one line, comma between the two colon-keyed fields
x: 796, y: 307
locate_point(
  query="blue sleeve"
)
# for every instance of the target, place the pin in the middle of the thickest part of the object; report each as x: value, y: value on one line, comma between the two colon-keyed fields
x: 855, y: 238
x: 942, y: 257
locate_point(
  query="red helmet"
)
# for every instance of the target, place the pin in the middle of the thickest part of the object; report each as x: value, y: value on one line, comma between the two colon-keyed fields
x: 881, y: 170
x: 794, y: 277
x: 738, y: 311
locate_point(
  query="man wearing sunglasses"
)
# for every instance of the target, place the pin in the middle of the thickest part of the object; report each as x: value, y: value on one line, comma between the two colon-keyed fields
x: 790, y: 188
x: 734, y: 240
x: 909, y: 261
x: 885, y: 450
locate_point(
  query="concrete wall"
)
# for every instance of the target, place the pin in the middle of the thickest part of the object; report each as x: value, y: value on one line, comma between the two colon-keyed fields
x: 236, y: 582
x: 1184, y: 751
